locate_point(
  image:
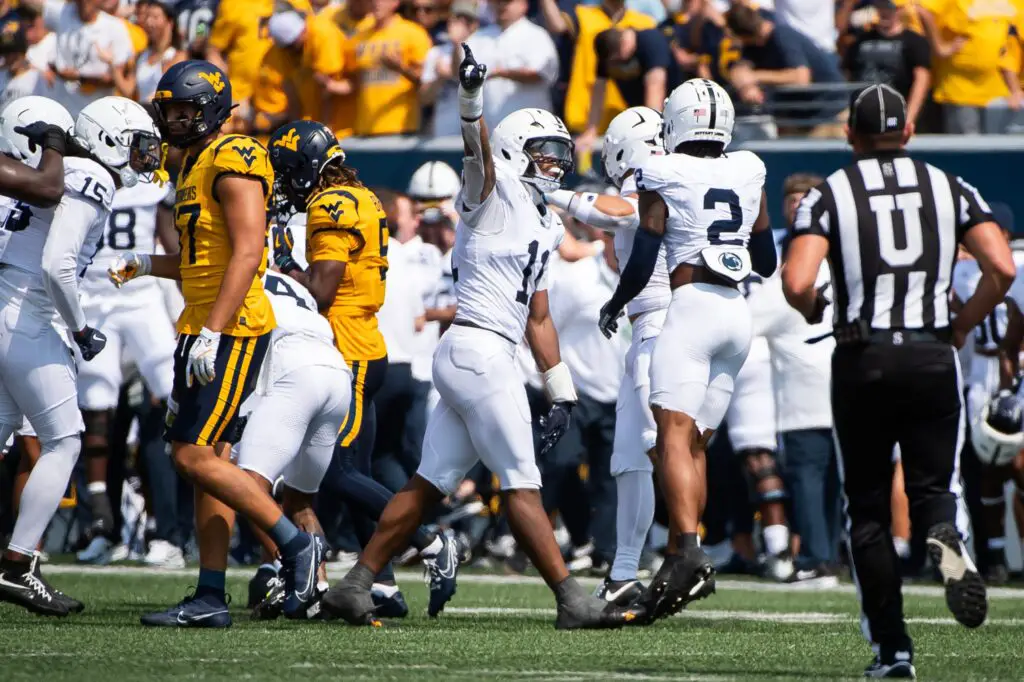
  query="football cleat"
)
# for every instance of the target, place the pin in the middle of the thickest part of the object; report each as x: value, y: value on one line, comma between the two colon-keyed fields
x: 192, y: 612
x: 163, y: 554
x: 271, y: 604
x: 619, y: 592
x: 683, y: 578
x: 442, y: 571
x: 74, y: 606
x: 260, y: 585
x: 389, y: 605
x: 966, y: 597
x: 899, y: 666
x: 25, y: 587
x: 299, y: 573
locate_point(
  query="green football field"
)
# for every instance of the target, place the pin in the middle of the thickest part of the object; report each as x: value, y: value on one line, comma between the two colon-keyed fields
x: 497, y: 627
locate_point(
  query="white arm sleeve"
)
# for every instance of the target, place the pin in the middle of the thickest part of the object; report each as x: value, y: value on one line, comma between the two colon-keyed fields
x: 583, y: 207
x: 71, y: 222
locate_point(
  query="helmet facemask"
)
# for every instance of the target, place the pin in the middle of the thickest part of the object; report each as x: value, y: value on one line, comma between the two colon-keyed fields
x: 185, y: 131
x: 550, y: 161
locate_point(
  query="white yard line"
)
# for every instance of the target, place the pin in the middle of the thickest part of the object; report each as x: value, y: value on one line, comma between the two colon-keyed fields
x: 723, y: 584
x: 799, y: 617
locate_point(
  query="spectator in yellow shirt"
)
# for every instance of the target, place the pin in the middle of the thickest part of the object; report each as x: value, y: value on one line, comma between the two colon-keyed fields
x: 585, y: 91
x: 301, y: 74
x: 384, y: 60
x: 974, y: 70
x: 350, y: 16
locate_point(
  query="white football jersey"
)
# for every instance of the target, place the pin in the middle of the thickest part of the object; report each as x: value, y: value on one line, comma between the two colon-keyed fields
x: 131, y: 226
x: 990, y: 333
x: 502, y: 248
x: 302, y: 338
x: 24, y: 230
x: 711, y: 202
x: 658, y: 292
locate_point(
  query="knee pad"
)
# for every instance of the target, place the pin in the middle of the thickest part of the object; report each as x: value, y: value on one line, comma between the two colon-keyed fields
x: 759, y: 465
x: 97, y: 429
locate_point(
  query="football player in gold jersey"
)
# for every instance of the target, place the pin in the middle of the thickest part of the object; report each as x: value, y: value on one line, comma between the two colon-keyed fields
x: 222, y: 191
x: 347, y: 246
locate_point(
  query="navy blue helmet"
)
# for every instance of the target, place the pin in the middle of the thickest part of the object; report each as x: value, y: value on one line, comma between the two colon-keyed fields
x: 299, y: 151
x: 201, y: 84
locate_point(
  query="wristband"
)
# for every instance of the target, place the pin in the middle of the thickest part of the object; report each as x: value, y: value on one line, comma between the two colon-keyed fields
x: 471, y: 103
x: 560, y: 198
x: 55, y: 139
x: 558, y: 384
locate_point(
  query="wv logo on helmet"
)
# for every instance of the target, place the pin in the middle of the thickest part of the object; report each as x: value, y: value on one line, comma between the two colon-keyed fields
x: 214, y: 79
x: 289, y: 141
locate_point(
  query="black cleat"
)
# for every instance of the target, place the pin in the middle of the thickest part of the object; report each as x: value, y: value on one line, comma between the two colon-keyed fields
x: 351, y: 603
x: 683, y: 578
x: 619, y: 592
x: 596, y: 614
x: 74, y: 606
x: 260, y: 585
x: 900, y: 666
x: 966, y: 597
x: 25, y: 587
x: 271, y: 605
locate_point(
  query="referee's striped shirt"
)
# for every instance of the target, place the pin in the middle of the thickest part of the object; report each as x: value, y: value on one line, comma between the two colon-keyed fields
x: 893, y: 225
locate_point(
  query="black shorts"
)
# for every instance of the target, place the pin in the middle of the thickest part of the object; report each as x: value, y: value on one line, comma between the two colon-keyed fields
x: 204, y: 415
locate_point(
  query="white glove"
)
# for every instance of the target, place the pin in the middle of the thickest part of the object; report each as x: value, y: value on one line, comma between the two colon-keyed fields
x: 128, y: 265
x: 202, y: 358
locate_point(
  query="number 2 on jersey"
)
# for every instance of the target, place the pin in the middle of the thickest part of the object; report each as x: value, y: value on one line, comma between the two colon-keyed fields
x: 522, y: 296
x: 714, y: 197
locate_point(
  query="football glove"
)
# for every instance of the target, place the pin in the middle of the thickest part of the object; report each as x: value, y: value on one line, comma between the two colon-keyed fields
x: 90, y: 342
x: 554, y: 425
x: 45, y: 135
x: 471, y: 74
x: 284, y: 242
x: 608, y: 321
x: 127, y: 266
x: 202, y: 358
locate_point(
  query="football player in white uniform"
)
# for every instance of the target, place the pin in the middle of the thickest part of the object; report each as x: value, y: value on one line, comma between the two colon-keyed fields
x: 138, y: 331
x: 504, y: 239
x: 991, y: 408
x: 632, y: 136
x: 41, y: 315
x: 711, y: 211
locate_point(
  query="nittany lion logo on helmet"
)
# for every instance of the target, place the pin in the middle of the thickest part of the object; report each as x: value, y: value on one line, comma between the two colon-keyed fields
x: 731, y: 262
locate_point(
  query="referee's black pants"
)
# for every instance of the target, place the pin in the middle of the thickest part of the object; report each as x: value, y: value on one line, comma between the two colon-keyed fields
x: 882, y: 395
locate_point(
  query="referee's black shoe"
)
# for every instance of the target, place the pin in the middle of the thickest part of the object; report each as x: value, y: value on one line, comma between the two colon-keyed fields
x: 965, y: 589
x: 684, y: 577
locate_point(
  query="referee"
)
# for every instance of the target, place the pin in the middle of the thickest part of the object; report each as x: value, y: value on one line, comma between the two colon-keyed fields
x: 890, y: 226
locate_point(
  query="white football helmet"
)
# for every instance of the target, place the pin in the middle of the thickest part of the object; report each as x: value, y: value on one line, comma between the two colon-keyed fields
x: 528, y: 136
x: 433, y: 181
x: 698, y: 110
x: 632, y: 136
x: 23, y: 111
x: 998, y: 435
x: 121, y: 135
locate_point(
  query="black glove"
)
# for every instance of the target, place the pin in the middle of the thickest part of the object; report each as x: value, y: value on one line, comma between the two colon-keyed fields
x: 284, y: 242
x: 75, y: 148
x: 90, y: 341
x: 608, y: 322
x: 554, y: 425
x: 45, y: 135
x: 821, y: 302
x: 471, y: 74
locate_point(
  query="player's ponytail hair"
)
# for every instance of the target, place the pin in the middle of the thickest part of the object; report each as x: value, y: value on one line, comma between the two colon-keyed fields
x: 337, y: 173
